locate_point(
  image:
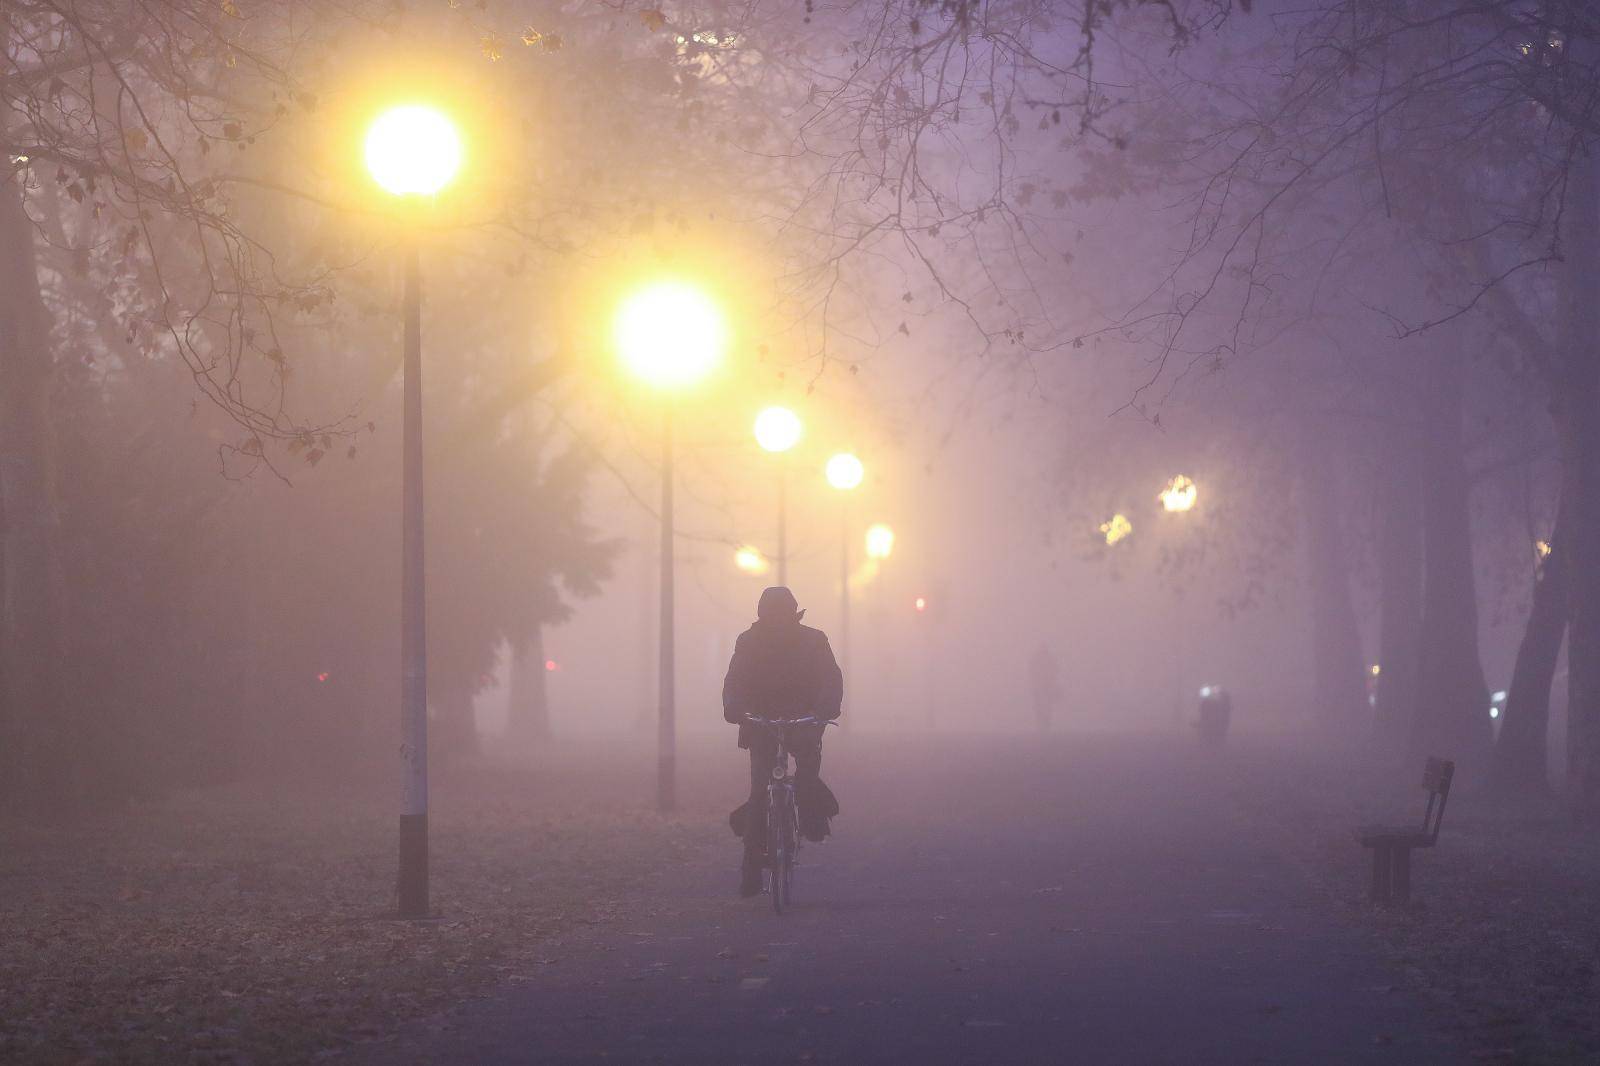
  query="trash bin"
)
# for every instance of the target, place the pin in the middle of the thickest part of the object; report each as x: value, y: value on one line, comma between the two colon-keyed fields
x: 1215, y: 709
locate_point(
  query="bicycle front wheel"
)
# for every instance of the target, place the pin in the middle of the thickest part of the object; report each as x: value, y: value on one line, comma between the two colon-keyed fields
x: 780, y: 849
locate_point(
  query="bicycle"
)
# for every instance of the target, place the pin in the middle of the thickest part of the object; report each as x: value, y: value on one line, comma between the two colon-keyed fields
x: 783, y: 812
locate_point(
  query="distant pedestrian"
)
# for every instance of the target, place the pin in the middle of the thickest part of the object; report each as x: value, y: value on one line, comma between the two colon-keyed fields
x: 1044, y: 678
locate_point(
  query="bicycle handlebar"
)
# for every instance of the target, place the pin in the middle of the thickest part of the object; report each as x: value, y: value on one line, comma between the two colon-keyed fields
x: 809, y: 719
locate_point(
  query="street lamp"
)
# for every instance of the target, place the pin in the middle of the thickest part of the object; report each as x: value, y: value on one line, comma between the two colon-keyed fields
x: 777, y: 430
x: 880, y: 542
x: 1179, y: 497
x: 750, y: 561
x: 670, y: 335
x: 413, y: 151
x: 1116, y: 528
x: 844, y: 472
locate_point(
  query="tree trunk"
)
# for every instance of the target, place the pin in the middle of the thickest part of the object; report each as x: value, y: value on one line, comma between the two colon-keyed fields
x: 1452, y: 716
x: 37, y: 735
x: 1339, y: 696
x: 1400, y: 591
x: 1578, y: 420
x: 1518, y: 768
x: 529, y: 697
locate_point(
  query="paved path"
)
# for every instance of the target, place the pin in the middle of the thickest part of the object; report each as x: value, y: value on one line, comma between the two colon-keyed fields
x: 1065, y: 900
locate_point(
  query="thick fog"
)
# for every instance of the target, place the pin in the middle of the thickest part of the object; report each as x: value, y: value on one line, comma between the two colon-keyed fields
x: 379, y: 398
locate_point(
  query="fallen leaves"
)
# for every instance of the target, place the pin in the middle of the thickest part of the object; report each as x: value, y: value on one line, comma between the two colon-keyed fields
x: 237, y: 926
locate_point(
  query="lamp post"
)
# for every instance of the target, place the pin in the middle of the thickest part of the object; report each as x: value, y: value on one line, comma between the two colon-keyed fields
x: 1179, y: 497
x: 670, y: 335
x: 777, y: 430
x: 844, y: 472
x: 413, y: 151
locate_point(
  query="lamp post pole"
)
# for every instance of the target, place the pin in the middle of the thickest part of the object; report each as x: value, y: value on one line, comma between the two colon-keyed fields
x: 413, y: 621
x: 666, y: 726
x: 412, y: 151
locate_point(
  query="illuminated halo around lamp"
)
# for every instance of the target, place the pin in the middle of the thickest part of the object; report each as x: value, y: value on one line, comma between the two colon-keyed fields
x: 844, y: 471
x: 670, y: 334
x: 413, y: 150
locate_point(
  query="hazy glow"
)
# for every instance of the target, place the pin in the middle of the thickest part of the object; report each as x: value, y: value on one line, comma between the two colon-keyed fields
x: 751, y: 561
x: 880, y: 541
x: 1179, y: 495
x: 845, y: 471
x: 670, y: 334
x: 777, y: 429
x: 413, y: 150
x: 551, y: 665
x: 1541, y: 548
x: 1117, y: 528
x: 1376, y: 669
x: 921, y: 604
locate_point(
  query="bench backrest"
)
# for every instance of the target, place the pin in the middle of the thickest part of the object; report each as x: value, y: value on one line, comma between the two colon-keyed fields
x: 1436, y: 777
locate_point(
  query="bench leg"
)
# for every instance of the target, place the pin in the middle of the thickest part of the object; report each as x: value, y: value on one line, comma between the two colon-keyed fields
x: 1381, y: 865
x: 1402, y: 874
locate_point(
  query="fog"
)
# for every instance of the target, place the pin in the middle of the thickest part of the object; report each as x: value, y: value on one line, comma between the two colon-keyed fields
x: 379, y: 386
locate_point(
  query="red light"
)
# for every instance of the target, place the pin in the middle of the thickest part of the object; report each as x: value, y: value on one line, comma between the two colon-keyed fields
x: 922, y: 604
x: 551, y: 665
x: 323, y: 676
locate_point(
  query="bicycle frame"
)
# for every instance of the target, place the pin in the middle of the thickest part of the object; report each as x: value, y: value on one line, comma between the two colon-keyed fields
x: 783, y: 811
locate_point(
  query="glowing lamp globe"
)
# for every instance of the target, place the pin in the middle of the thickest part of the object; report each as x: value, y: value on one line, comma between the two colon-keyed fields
x: 413, y: 150
x: 1179, y: 495
x: 777, y: 429
x: 670, y: 334
x: 750, y: 561
x: 844, y: 471
x: 880, y: 541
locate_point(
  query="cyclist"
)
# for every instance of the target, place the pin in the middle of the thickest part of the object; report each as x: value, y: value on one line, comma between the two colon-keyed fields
x: 781, y: 669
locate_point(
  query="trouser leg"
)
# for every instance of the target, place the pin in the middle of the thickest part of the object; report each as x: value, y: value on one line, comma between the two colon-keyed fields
x: 814, y: 809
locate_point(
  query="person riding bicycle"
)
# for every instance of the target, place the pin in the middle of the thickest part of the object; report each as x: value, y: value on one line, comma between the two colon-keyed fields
x: 781, y: 669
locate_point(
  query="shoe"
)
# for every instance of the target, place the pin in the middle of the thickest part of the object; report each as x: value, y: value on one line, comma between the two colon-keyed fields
x: 750, y: 882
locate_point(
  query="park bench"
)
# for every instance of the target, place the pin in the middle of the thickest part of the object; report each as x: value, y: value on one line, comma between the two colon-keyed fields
x: 1391, y: 845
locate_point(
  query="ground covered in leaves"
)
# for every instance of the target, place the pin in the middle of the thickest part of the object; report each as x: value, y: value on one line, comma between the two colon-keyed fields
x: 1503, y: 932
x: 252, y: 924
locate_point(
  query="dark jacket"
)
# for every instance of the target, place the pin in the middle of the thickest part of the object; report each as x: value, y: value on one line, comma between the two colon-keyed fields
x: 781, y: 669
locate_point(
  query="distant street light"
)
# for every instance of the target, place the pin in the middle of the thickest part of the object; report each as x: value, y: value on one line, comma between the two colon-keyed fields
x: 1116, y: 528
x: 844, y: 471
x: 670, y: 335
x: 1179, y: 495
x: 751, y: 561
x: 777, y: 430
x: 1178, y: 498
x: 413, y: 151
x: 880, y: 541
